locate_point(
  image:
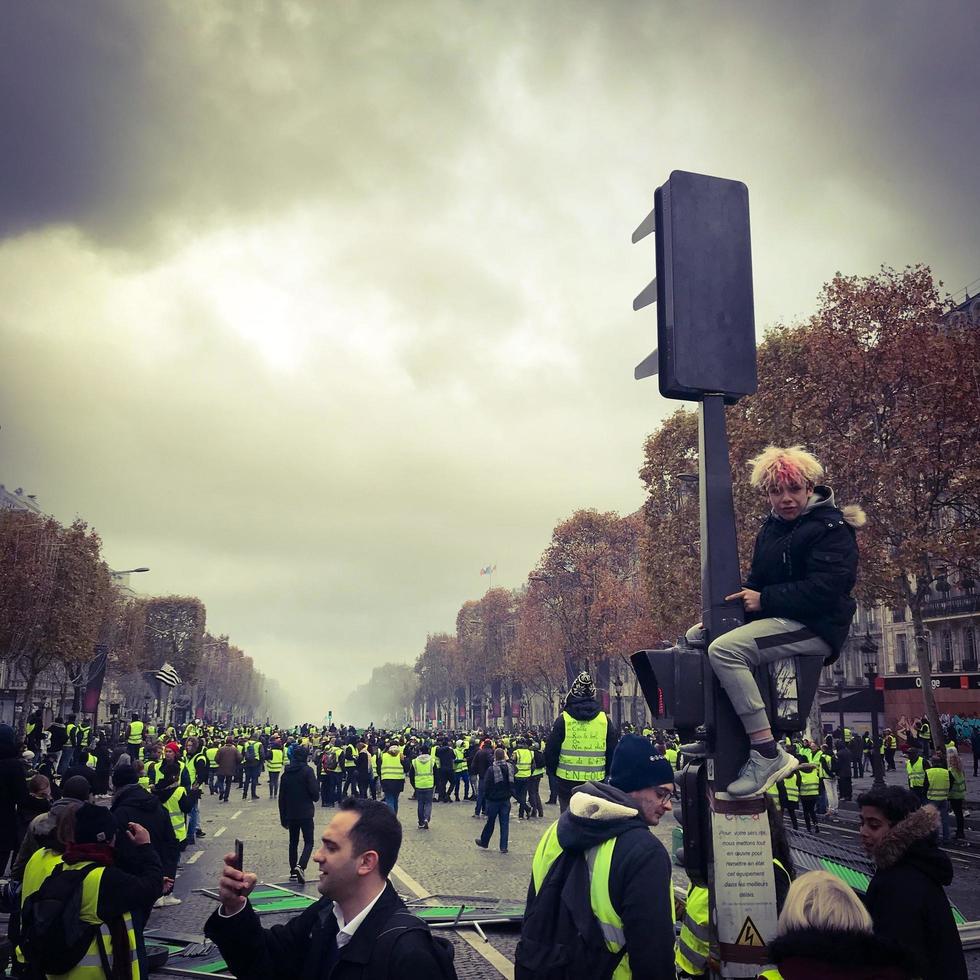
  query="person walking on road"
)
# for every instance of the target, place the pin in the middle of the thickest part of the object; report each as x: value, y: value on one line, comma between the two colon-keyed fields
x: 422, y: 776
x: 359, y: 929
x: 227, y: 762
x: 906, y: 896
x: 392, y: 773
x: 629, y: 872
x: 482, y: 760
x: 497, y: 789
x: 298, y: 793
x: 582, y: 741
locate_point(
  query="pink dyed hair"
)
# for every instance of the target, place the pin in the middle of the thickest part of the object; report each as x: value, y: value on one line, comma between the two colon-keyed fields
x: 779, y: 465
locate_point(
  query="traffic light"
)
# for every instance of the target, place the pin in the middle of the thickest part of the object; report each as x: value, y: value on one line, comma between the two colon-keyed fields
x: 702, y: 288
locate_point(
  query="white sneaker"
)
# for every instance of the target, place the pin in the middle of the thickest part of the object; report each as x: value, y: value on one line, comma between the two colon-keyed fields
x: 759, y: 773
x: 164, y: 900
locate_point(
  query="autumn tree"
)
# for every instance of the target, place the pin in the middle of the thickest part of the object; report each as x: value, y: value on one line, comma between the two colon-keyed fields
x: 55, y: 595
x: 886, y: 395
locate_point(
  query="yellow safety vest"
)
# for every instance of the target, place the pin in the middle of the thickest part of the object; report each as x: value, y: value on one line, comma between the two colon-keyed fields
x: 177, y: 819
x: 957, y: 788
x: 938, y: 785
x: 582, y: 757
x: 392, y: 768
x: 275, y: 760
x: 671, y: 756
x: 809, y: 783
x: 773, y: 793
x: 89, y: 967
x: 691, y: 950
x: 523, y: 760
x: 350, y: 757
x: 460, y: 764
x: 424, y: 778
x: 135, y: 733
x: 916, y: 773
x: 599, y: 861
x: 212, y: 756
x: 792, y: 785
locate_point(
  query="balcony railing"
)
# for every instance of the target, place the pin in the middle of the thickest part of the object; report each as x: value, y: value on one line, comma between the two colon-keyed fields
x: 901, y: 667
x: 969, y: 665
x: 945, y: 666
x: 957, y: 606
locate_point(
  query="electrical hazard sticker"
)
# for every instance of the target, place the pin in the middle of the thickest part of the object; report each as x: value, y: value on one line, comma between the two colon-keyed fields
x: 748, y: 935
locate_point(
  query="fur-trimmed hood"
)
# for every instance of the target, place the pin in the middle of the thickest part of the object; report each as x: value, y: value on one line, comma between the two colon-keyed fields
x: 914, y: 840
x: 830, y: 953
x: 595, y: 813
x: 823, y: 498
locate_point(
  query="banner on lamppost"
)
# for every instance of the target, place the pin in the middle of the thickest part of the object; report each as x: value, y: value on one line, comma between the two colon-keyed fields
x: 94, y: 679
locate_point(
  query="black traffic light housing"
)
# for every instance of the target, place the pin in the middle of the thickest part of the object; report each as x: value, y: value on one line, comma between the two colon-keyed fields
x: 703, y: 288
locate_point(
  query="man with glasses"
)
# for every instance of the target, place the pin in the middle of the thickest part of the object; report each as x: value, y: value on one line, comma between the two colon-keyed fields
x: 628, y: 876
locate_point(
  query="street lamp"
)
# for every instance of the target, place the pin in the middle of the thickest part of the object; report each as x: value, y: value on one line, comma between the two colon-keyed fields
x: 618, y: 684
x: 839, y: 677
x: 869, y: 651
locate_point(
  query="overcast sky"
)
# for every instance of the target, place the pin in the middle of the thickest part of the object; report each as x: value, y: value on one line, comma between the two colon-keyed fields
x: 317, y: 308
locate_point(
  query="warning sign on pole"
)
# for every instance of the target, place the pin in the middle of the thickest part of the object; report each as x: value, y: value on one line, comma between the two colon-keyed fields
x: 744, y: 884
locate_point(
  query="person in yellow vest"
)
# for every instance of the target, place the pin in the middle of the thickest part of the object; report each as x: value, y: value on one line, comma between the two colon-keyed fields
x: 629, y: 872
x: 109, y: 894
x: 957, y: 790
x: 176, y: 799
x: 937, y: 786
x: 888, y: 746
x: 809, y: 794
x: 391, y: 772
x: 915, y: 772
x: 134, y: 733
x: 422, y: 777
x: 534, y: 783
x: 825, y: 931
x: 523, y: 759
x: 580, y: 747
x: 274, y: 761
x: 460, y: 773
x: 211, y: 754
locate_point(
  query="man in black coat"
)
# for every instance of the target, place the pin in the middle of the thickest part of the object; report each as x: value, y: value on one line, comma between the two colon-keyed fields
x: 13, y: 793
x: 797, y: 600
x: 359, y: 930
x: 298, y: 793
x: 906, y: 897
x: 131, y: 803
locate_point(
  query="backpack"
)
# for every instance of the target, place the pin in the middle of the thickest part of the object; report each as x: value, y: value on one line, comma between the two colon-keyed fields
x: 329, y: 760
x: 397, y: 926
x: 52, y: 935
x: 538, y: 759
x: 250, y: 752
x: 561, y: 938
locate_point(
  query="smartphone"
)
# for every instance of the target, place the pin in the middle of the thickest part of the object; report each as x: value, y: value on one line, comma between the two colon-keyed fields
x: 239, y: 854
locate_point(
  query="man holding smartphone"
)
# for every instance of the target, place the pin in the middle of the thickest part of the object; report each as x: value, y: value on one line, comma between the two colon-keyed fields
x: 359, y: 930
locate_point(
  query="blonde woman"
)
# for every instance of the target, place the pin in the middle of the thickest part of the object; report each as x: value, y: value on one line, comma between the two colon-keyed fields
x: 797, y: 600
x: 824, y: 931
x: 957, y: 790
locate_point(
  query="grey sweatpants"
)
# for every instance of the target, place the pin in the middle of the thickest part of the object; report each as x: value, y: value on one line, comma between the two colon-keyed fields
x: 734, y: 654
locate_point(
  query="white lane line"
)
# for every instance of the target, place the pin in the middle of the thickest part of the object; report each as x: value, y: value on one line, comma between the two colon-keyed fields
x: 237, y: 814
x: 494, y: 957
x: 220, y: 831
x: 194, y: 857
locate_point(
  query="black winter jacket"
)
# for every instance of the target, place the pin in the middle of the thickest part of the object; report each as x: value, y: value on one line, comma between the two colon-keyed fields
x: 137, y: 805
x: 13, y: 792
x: 805, y: 569
x: 832, y: 954
x: 906, y: 898
x: 639, y: 876
x: 297, y: 949
x: 298, y: 793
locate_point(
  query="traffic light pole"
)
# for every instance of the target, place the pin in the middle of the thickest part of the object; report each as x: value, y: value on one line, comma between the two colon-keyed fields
x: 741, y: 881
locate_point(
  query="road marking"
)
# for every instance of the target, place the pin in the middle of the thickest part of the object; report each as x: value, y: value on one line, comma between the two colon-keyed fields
x: 493, y: 956
x: 237, y: 814
x: 194, y: 857
x: 219, y: 831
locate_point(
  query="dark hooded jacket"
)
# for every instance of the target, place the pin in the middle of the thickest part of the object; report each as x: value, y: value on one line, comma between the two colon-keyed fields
x: 298, y: 791
x: 805, y: 569
x: 134, y: 804
x: 13, y: 792
x: 581, y: 709
x: 906, y: 898
x: 833, y: 954
x: 639, y: 877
